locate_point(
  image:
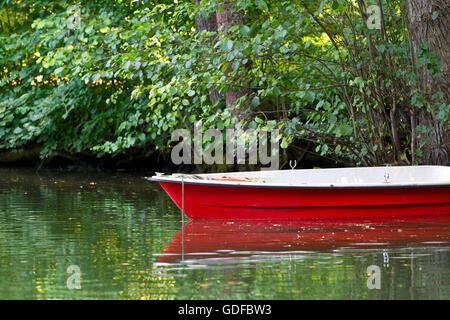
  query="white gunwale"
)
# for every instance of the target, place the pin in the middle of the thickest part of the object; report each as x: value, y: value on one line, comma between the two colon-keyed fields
x: 361, y: 177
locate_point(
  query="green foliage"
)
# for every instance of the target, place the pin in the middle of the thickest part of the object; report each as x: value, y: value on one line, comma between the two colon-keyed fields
x: 128, y: 73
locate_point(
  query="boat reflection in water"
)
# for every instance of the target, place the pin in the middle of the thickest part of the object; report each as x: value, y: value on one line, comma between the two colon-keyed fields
x: 203, y: 239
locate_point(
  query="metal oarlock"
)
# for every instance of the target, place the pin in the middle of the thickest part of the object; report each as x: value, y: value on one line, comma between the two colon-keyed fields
x: 292, y: 164
x: 386, y: 174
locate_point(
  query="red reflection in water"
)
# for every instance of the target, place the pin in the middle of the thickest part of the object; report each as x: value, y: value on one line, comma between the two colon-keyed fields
x: 198, y: 238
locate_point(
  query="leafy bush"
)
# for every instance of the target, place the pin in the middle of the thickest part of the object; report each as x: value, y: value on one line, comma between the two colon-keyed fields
x: 124, y: 74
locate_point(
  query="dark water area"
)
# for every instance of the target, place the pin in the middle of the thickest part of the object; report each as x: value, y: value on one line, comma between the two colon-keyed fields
x: 119, y: 236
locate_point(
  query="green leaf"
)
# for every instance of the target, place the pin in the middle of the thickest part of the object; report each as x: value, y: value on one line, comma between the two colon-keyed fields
x: 332, y: 118
x: 59, y: 71
x: 284, y: 49
x: 434, y: 15
x: 262, y: 5
x: 244, y: 30
x: 284, y: 143
x: 229, y: 45
x: 324, y: 149
x: 258, y: 120
x: 255, y: 101
x: 337, y: 150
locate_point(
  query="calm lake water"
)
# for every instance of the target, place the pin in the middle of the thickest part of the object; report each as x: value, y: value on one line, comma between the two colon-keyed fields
x: 127, y: 240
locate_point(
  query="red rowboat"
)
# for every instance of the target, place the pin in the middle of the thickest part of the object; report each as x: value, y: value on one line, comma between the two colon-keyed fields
x: 312, y: 193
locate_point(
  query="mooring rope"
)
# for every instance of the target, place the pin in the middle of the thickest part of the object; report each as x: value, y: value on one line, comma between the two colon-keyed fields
x: 182, y: 218
x: 182, y: 197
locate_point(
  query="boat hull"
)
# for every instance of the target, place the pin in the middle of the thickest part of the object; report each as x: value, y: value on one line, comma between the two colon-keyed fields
x: 203, y: 201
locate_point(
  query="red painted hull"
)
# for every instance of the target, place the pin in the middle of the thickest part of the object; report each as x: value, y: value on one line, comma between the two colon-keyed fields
x: 201, y: 238
x: 203, y: 201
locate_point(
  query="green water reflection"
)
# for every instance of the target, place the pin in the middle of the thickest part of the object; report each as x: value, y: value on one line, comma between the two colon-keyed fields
x: 125, y: 235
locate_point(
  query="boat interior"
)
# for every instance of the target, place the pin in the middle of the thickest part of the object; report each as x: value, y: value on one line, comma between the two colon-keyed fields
x: 398, y: 175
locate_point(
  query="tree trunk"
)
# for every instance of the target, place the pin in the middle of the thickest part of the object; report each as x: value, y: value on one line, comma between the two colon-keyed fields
x: 425, y: 27
x: 226, y: 19
x: 209, y: 25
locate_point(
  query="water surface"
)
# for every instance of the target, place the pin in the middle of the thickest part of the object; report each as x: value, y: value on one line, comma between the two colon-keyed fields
x: 128, y: 240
